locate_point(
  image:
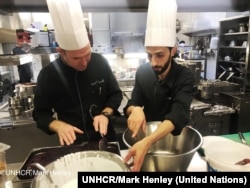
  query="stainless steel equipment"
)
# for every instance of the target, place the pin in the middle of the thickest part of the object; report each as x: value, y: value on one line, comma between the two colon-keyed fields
x: 208, y: 88
x: 195, y: 67
x: 22, y: 103
x: 171, y: 153
x: 85, y: 161
x: 47, y: 155
x: 23, y: 137
x: 241, y: 103
x: 210, y: 119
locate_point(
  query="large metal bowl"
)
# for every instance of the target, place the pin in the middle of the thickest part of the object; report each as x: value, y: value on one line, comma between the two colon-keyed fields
x: 171, y: 153
x: 63, y: 171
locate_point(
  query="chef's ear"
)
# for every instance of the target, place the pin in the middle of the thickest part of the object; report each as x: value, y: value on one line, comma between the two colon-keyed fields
x: 60, y: 50
x: 173, y: 51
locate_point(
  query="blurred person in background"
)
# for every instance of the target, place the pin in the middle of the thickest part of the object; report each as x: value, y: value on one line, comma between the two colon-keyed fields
x: 24, y: 70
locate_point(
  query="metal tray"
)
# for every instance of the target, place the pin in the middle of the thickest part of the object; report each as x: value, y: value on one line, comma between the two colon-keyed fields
x: 46, y: 155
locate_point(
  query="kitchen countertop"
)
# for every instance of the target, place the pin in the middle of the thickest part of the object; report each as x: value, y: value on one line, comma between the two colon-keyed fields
x: 236, y: 138
x: 197, y: 164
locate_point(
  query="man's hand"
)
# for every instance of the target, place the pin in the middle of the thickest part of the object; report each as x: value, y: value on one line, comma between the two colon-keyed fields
x: 136, y: 120
x: 65, y: 131
x: 138, y: 152
x: 100, y: 123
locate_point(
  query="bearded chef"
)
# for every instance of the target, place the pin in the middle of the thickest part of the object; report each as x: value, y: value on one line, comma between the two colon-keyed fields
x: 163, y: 89
x: 76, y: 94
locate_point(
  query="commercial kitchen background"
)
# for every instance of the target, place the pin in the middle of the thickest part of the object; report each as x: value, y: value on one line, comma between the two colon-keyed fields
x: 119, y: 36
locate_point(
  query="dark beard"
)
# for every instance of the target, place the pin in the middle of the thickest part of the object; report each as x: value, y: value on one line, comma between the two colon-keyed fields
x: 162, y: 69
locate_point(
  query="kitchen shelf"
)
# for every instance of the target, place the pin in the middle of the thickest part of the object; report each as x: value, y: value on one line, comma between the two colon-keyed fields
x: 203, y: 32
x: 233, y: 34
x: 235, y: 47
x: 232, y: 62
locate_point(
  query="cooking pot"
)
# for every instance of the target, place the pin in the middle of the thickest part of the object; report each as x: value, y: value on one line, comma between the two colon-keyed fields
x: 24, y: 90
x: 171, y: 153
x: 62, y: 173
x: 223, y: 154
x: 207, y: 91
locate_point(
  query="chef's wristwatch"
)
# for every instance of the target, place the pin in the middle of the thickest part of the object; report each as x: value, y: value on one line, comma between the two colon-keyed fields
x: 106, y: 114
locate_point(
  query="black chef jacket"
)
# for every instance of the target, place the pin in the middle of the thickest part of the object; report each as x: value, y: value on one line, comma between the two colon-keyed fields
x: 166, y: 99
x: 24, y: 71
x: 70, y: 94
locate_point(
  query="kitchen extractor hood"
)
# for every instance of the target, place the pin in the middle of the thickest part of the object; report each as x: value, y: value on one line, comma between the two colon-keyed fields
x: 8, y: 6
x: 7, y: 35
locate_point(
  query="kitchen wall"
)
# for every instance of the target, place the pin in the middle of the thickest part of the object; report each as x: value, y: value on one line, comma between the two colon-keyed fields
x: 117, y: 23
x: 124, y: 30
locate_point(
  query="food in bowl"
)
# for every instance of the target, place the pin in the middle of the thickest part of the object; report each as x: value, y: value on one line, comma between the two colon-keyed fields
x: 243, y: 162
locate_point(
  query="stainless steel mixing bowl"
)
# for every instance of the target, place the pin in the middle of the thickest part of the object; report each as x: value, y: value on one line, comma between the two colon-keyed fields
x: 171, y: 153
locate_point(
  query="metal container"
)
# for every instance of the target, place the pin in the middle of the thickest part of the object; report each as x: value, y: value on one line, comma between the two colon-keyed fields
x: 46, y: 155
x: 88, y: 161
x: 242, y: 27
x: 15, y: 110
x: 171, y: 153
x: 25, y: 90
x: 207, y: 91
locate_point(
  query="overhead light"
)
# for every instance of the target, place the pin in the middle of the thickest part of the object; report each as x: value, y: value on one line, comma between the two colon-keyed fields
x: 140, y: 55
x: 110, y: 56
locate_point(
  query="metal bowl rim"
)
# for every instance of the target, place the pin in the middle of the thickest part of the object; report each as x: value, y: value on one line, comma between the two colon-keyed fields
x: 175, y: 155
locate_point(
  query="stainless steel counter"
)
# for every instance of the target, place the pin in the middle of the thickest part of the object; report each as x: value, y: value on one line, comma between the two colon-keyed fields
x: 10, y: 179
x: 23, y: 138
x: 22, y: 134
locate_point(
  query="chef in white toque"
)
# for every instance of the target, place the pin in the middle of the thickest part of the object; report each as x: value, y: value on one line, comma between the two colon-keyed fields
x: 76, y: 94
x: 163, y: 89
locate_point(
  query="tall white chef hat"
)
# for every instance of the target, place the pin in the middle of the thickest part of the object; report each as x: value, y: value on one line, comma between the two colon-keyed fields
x: 161, y: 23
x: 69, y: 26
